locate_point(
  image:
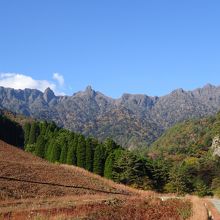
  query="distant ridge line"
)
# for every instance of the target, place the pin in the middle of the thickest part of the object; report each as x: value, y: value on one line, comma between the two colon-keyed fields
x: 61, y: 185
x: 133, y: 120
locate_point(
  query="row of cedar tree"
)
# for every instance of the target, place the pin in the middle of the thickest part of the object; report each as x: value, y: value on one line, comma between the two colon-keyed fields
x: 108, y: 159
x: 195, y: 171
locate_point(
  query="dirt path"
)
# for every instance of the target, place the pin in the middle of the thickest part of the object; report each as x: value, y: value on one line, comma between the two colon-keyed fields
x: 216, y: 203
x: 213, y: 207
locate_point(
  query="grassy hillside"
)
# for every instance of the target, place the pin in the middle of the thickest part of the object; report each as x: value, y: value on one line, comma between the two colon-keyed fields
x: 36, y: 189
x: 15, y: 163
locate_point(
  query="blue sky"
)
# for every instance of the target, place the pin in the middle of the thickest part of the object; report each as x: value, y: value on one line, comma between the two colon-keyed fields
x: 117, y: 46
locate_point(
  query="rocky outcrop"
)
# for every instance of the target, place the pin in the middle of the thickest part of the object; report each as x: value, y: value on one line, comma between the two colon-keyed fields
x: 216, y: 146
x: 132, y: 120
x: 48, y: 95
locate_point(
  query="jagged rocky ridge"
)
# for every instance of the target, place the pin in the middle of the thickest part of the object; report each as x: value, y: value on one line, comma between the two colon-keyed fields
x: 132, y: 120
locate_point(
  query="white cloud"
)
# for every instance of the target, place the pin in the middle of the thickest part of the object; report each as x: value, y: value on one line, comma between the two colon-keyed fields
x: 21, y: 81
x: 59, y: 78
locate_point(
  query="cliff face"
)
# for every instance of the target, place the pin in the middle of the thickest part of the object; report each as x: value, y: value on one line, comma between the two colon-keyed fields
x: 216, y: 146
x: 131, y: 120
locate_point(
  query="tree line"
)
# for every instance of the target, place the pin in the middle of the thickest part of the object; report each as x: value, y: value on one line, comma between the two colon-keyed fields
x: 107, y: 158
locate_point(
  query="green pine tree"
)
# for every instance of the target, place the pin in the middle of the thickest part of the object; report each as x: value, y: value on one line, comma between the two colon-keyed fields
x: 109, y: 164
x: 128, y: 168
x: 63, y: 155
x: 81, y: 152
x: 99, y: 160
x: 43, y: 127
x: 55, y: 151
x: 72, y: 147
x: 90, y: 147
x: 40, y: 146
x: 50, y: 146
x: 34, y: 132
x: 27, y: 128
x: 110, y: 146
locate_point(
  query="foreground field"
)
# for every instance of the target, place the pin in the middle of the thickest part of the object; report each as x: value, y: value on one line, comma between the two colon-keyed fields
x: 31, y: 188
x: 96, y: 207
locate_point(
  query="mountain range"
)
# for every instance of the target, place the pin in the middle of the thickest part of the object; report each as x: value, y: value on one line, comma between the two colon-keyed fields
x: 131, y: 120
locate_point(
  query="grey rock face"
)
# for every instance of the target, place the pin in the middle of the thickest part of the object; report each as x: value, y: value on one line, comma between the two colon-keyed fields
x: 216, y: 146
x: 132, y: 120
x: 48, y: 95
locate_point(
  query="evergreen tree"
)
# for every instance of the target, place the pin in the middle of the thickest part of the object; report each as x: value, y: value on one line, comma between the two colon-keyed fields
x: 160, y: 172
x: 27, y: 128
x: 110, y: 170
x: 179, y: 179
x: 55, y: 151
x: 110, y: 146
x: 99, y: 159
x: 34, y: 132
x: 109, y: 164
x: 40, y: 146
x: 72, y: 148
x: 63, y: 155
x: 90, y: 147
x: 48, y: 153
x: 81, y: 152
x: 43, y: 127
x: 129, y: 168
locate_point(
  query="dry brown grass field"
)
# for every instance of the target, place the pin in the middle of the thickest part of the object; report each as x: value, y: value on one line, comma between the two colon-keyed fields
x: 36, y: 189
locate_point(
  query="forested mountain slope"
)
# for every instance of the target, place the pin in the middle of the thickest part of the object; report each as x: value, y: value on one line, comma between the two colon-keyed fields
x: 189, y: 136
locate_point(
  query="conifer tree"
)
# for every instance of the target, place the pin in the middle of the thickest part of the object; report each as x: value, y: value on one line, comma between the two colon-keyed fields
x: 27, y: 128
x: 55, y: 151
x: 99, y: 160
x: 40, y: 146
x: 128, y: 168
x: 109, y: 164
x: 63, y: 155
x: 90, y: 147
x: 110, y: 146
x: 50, y: 146
x: 34, y: 132
x: 72, y: 147
x: 43, y: 127
x: 81, y: 152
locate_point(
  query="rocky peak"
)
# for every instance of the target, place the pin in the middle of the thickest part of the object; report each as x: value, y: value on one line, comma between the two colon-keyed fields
x: 207, y: 92
x: 125, y: 96
x: 89, y: 91
x: 178, y: 91
x: 48, y: 95
x: 209, y: 86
